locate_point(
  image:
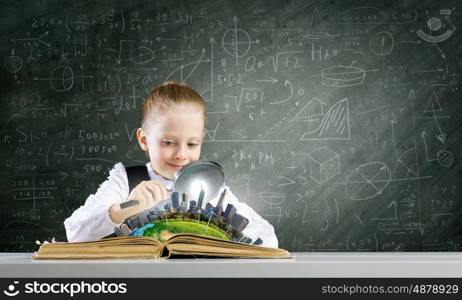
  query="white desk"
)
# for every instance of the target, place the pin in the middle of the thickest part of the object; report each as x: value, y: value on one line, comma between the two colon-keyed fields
x: 21, y: 265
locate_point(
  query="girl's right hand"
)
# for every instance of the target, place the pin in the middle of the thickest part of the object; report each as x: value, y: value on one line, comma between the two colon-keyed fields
x: 148, y: 193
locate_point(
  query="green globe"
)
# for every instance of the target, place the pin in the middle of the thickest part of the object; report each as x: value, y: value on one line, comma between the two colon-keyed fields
x: 164, y: 229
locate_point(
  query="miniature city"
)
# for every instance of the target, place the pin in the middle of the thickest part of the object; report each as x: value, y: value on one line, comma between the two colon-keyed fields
x: 228, y: 220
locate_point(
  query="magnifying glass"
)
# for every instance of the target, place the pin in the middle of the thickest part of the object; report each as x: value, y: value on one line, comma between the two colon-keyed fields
x: 200, y: 178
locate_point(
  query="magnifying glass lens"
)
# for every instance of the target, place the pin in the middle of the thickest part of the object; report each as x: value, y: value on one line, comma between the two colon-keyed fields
x: 205, y: 175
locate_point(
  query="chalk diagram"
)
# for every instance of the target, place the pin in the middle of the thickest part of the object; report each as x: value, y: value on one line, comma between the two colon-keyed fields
x: 236, y: 41
x: 434, y: 111
x: 393, y: 204
x: 61, y: 79
x: 185, y: 71
x: 317, y: 30
x: 13, y: 64
x: 434, y: 31
x: 368, y: 181
x: 404, y: 156
x: 274, y: 201
x: 143, y: 55
x: 315, y: 124
x: 381, y: 43
x: 342, y: 76
x: 434, y: 107
x: 324, y: 164
x: 211, y: 133
x: 444, y: 158
x: 437, y: 30
x: 35, y: 40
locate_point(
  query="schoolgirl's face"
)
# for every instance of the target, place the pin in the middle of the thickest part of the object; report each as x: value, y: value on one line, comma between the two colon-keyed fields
x: 173, y: 138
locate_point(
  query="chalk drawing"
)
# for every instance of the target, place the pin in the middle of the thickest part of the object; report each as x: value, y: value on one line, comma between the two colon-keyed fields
x: 314, y: 124
x: 236, y: 41
x: 274, y: 200
x: 181, y: 70
x: 381, y: 43
x: 433, y: 106
x: 368, y: 181
x: 393, y: 204
x: 435, y: 28
x: 143, y: 55
x: 288, y: 84
x: 13, y: 64
x: 324, y: 165
x: 445, y: 158
x: 435, y: 32
x: 342, y: 76
x: 61, y: 79
x: 317, y: 30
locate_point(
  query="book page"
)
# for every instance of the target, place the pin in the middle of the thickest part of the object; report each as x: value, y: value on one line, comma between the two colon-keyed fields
x: 118, y: 247
x: 190, y: 244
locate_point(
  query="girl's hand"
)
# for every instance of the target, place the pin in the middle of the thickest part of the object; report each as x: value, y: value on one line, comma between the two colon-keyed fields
x: 148, y: 193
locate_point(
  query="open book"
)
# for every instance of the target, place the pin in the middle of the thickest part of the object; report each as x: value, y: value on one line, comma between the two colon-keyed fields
x: 148, y: 247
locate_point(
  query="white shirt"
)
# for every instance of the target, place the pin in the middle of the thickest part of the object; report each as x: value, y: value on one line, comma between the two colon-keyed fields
x: 91, y: 221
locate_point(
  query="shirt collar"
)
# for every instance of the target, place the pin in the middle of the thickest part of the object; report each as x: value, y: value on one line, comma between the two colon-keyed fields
x: 154, y: 176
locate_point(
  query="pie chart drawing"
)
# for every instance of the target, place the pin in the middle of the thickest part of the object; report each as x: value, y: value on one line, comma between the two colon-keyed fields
x: 368, y: 181
x: 142, y: 55
x: 342, y: 76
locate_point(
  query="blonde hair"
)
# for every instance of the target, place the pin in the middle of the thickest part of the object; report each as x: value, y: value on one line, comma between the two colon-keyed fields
x: 168, y: 94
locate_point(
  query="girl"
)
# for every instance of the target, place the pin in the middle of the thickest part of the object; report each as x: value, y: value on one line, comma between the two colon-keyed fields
x: 172, y: 130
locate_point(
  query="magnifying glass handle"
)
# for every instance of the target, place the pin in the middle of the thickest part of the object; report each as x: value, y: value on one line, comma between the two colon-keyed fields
x: 129, y: 203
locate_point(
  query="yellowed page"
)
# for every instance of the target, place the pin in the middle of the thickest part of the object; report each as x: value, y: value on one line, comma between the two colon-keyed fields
x: 192, y: 244
x: 119, y: 247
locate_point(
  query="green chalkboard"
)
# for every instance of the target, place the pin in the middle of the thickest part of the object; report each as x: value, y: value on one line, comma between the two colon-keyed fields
x: 337, y: 121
